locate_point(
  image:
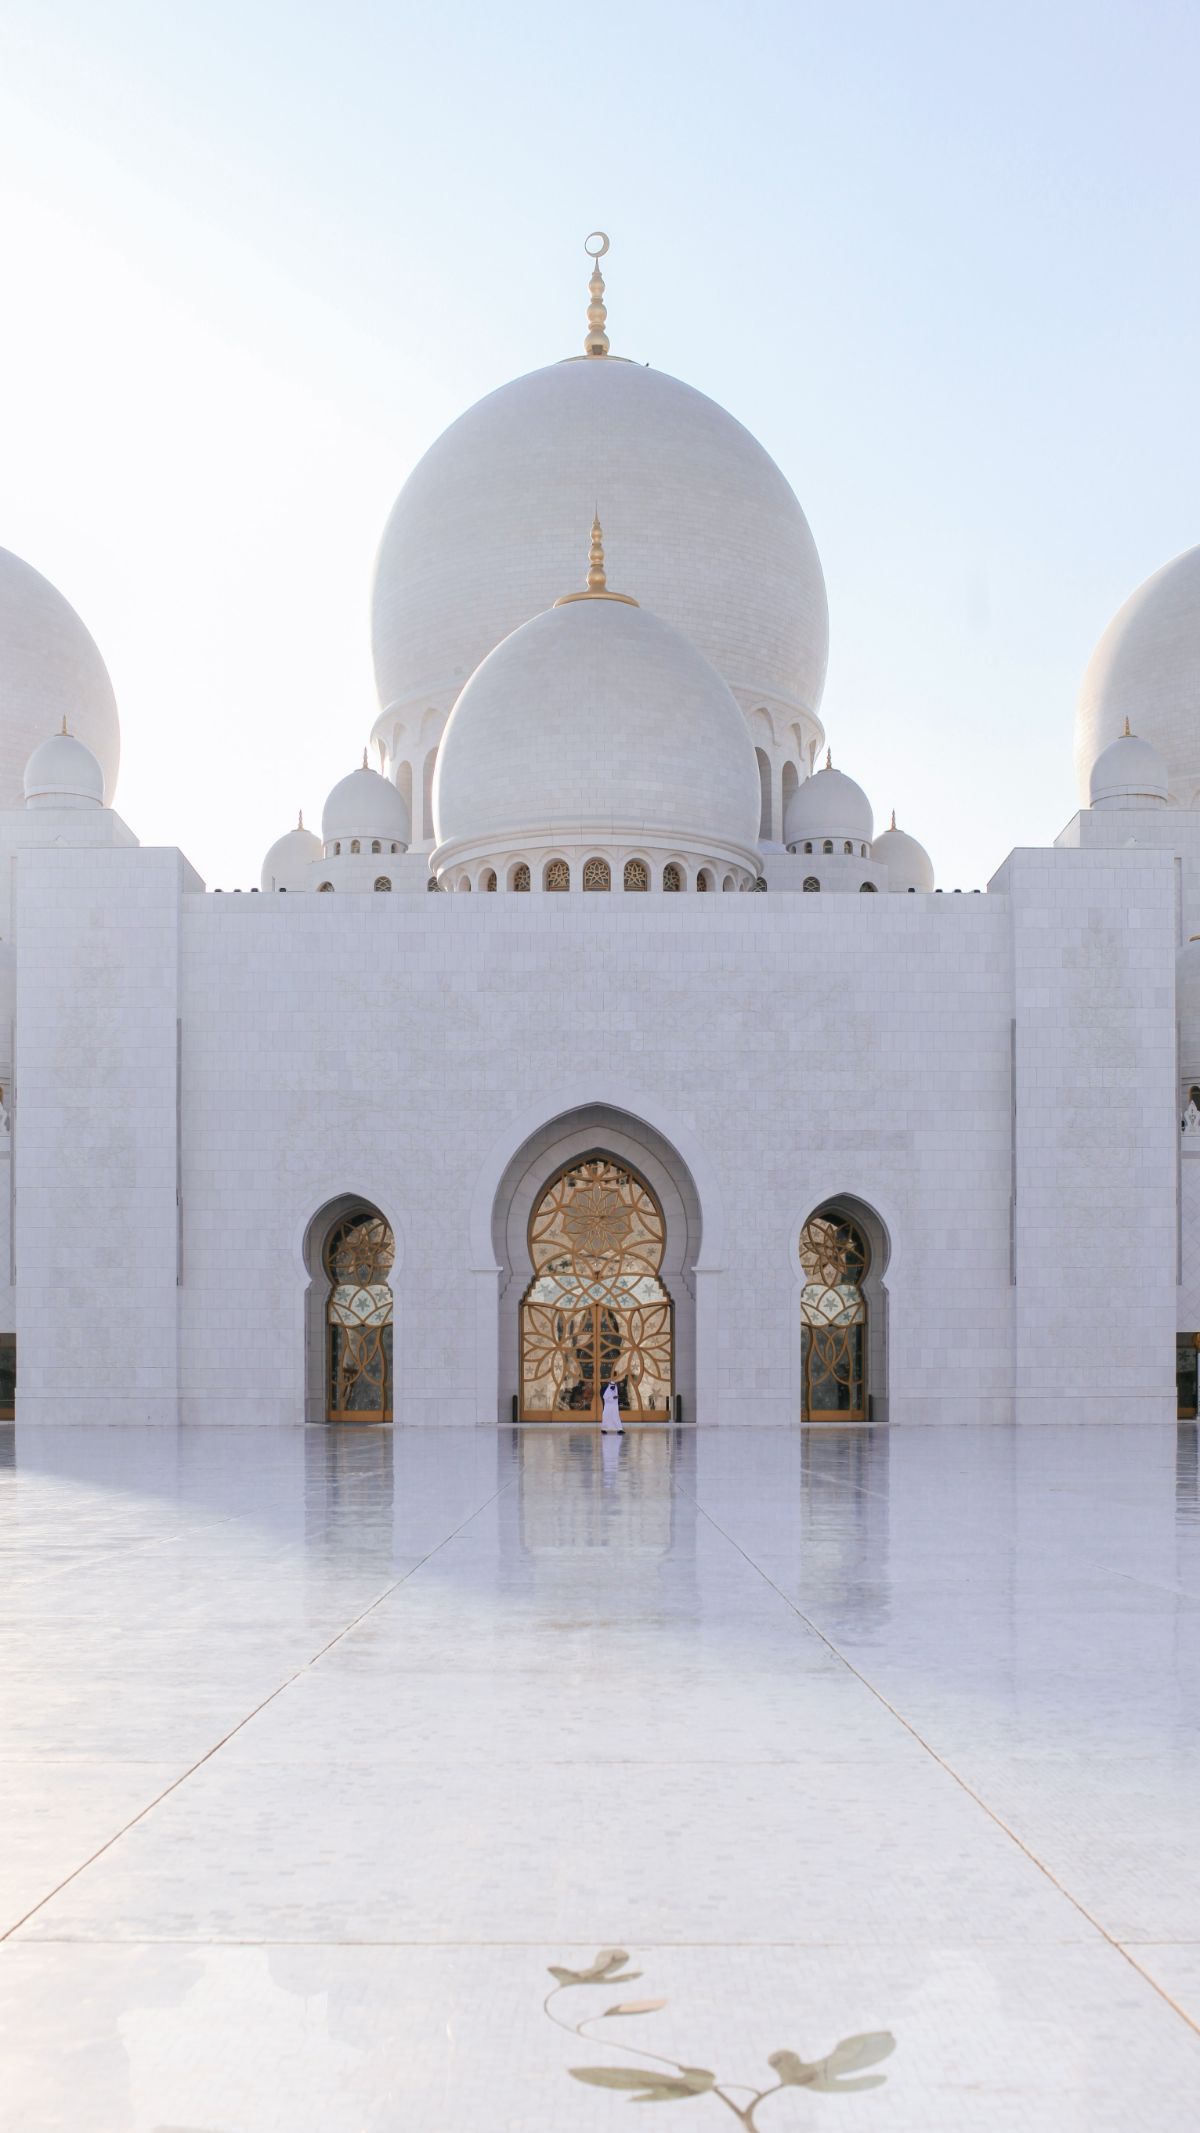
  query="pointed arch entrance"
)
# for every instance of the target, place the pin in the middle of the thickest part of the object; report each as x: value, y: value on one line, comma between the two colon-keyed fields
x: 843, y: 1253
x: 596, y: 1310
x: 350, y: 1249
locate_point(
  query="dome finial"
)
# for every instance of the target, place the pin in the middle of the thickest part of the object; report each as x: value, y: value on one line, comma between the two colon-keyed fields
x: 893, y: 818
x: 596, y: 339
x: 829, y: 759
x: 300, y: 819
x: 597, y: 580
x: 63, y: 728
x: 366, y: 765
x: 1126, y: 735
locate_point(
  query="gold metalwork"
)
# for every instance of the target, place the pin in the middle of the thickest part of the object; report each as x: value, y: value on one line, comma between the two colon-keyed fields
x: 359, y: 1254
x: 672, y: 876
x: 893, y: 818
x: 829, y: 759
x: 489, y: 879
x: 595, y: 244
x: 833, y: 1315
x: 597, y: 579
x: 596, y: 1310
x: 382, y: 882
x: 637, y: 874
x: 521, y: 877
x: 558, y: 875
x: 597, y: 874
x: 1126, y: 736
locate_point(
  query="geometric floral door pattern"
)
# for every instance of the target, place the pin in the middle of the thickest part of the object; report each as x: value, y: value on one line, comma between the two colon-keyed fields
x: 596, y: 1309
x: 359, y: 1252
x: 833, y: 1319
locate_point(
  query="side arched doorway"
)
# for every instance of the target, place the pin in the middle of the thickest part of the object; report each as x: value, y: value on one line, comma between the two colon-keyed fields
x: 351, y: 1251
x: 835, y: 1317
x: 596, y: 1309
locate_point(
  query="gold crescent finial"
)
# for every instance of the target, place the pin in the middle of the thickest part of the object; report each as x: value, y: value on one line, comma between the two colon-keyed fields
x: 366, y: 765
x: 597, y: 579
x: 64, y: 726
x: 300, y: 820
x: 893, y: 818
x: 829, y: 759
x: 1127, y: 735
x: 596, y: 339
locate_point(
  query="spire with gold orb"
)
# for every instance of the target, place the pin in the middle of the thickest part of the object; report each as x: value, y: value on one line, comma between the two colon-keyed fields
x: 597, y: 576
x: 596, y: 339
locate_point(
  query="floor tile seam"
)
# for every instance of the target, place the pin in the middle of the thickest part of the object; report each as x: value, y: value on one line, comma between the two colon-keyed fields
x: 217, y: 1746
x: 1119, y: 1948
x: 907, y: 1942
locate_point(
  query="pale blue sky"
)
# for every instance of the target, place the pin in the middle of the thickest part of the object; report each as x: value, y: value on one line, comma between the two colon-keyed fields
x: 940, y: 258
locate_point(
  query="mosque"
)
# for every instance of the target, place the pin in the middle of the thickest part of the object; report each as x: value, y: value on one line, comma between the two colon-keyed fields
x: 685, y: 1077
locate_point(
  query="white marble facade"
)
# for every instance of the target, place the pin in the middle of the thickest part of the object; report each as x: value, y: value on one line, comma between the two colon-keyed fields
x: 994, y: 1082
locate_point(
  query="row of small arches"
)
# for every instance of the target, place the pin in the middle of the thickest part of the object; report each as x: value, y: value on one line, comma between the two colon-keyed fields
x: 326, y: 887
x: 597, y: 875
x: 830, y: 846
x: 356, y: 846
x: 865, y: 888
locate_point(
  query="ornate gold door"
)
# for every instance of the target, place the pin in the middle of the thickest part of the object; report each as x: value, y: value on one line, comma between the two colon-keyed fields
x: 596, y: 1310
x: 358, y: 1260
x: 833, y: 1313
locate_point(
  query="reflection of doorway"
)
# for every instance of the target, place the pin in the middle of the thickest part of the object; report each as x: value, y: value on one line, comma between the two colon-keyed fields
x: 359, y: 1252
x: 596, y: 1308
x: 835, y: 1256
x: 1187, y: 1375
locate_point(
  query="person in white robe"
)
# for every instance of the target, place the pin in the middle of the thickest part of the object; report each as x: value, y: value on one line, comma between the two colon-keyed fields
x: 610, y: 1409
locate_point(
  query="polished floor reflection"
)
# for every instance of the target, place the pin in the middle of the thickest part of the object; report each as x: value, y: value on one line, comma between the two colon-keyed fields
x: 320, y: 1747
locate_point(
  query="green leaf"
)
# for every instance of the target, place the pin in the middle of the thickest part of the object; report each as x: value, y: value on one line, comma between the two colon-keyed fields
x: 847, y: 2057
x: 645, y: 2086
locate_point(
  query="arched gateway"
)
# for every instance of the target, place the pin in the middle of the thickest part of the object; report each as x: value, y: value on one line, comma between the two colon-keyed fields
x: 357, y: 1257
x: 835, y: 1256
x: 596, y: 1309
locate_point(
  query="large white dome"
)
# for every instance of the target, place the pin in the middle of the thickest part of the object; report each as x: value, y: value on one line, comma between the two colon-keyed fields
x: 485, y: 534
x: 1146, y: 668
x: 597, y: 724
x: 49, y: 670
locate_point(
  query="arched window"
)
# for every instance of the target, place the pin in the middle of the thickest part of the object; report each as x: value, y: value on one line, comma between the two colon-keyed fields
x: 702, y: 880
x: 404, y: 788
x: 791, y: 784
x: 728, y: 882
x: 382, y: 882
x: 596, y: 874
x: 520, y: 877
x: 672, y: 876
x: 848, y: 848
x: 557, y: 875
x: 637, y: 874
x: 489, y: 879
x: 764, y: 791
x: 828, y: 845
x: 427, y: 792
x: 833, y: 1319
x: 324, y: 888
x: 355, y: 846
x: 808, y: 846
x: 337, y: 849
x: 866, y: 888
x: 812, y: 884
x: 359, y: 1253
x: 862, y: 851
x: 596, y: 1311
x: 463, y: 882
x: 376, y: 845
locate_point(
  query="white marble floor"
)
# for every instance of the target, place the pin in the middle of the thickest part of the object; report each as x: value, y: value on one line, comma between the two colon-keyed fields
x: 320, y: 1748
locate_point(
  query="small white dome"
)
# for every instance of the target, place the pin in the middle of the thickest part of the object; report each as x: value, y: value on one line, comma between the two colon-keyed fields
x: 365, y: 805
x: 62, y: 772
x: 828, y: 804
x: 1146, y: 668
x: 1130, y: 772
x: 908, y: 864
x: 49, y: 670
x: 289, y: 859
x: 597, y: 722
